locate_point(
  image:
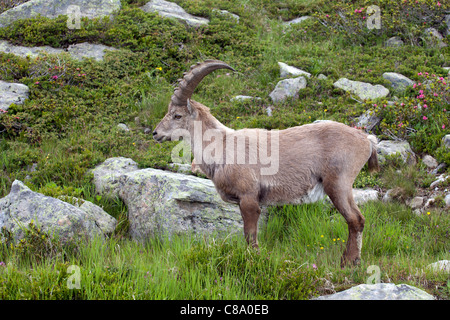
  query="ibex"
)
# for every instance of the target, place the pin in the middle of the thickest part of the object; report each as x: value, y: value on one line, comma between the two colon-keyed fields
x: 306, y: 161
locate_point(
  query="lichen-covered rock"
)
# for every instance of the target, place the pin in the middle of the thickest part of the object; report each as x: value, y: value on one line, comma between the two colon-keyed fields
x: 402, y: 148
x: 169, y: 9
x: 106, y: 175
x: 397, y: 80
x: 380, y: 291
x: 21, y: 51
x: 23, y: 206
x: 165, y: 203
x: 77, y: 51
x: 363, y: 90
x: 54, y: 8
x: 12, y: 93
x: 287, y: 71
x: 287, y: 88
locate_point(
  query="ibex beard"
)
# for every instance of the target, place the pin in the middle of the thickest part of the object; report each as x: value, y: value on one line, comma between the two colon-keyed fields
x: 256, y: 166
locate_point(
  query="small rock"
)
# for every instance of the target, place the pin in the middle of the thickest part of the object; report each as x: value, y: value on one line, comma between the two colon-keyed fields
x: 446, y: 140
x: 394, y: 42
x: 363, y: 195
x: 11, y: 93
x: 388, y: 195
x: 447, y: 200
x: 415, y: 203
x: 296, y: 20
x: 440, y: 179
x: 388, y: 147
x: 397, y: 80
x: 434, y: 38
x: 88, y: 50
x: 322, y: 77
x: 172, y: 10
x: 363, y: 90
x: 227, y: 13
x: 440, y: 266
x: 287, y: 71
x: 244, y: 98
x: 429, y: 161
x: 380, y: 291
x: 287, y: 88
x: 123, y: 127
x: 369, y: 120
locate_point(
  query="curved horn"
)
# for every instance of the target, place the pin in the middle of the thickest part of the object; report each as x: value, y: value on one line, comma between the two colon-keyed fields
x: 192, y: 78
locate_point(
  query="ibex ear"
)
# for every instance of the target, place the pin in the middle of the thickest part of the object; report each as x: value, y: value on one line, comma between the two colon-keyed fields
x: 191, y: 109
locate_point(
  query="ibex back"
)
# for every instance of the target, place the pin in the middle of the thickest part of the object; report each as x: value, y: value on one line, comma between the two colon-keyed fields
x: 296, y: 165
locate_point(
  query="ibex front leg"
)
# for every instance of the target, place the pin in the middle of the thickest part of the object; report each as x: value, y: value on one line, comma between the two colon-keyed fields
x: 250, y: 212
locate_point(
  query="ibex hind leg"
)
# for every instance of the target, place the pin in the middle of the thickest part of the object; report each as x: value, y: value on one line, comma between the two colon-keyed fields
x: 342, y: 198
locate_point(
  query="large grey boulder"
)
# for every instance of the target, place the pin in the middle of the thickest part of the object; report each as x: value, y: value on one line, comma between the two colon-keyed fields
x: 53, y: 8
x: 166, y: 203
x: 390, y: 148
x: 287, y: 88
x: 12, y: 93
x: 23, y: 206
x: 172, y: 10
x: 397, y: 80
x: 363, y: 90
x: 380, y: 291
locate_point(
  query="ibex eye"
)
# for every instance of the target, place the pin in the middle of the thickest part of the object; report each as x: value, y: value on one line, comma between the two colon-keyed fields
x: 177, y: 117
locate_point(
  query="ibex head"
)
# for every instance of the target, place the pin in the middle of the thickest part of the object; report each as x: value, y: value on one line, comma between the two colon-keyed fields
x: 181, y: 113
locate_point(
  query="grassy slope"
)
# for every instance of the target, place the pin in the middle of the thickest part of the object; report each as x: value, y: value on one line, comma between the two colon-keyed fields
x: 69, y: 125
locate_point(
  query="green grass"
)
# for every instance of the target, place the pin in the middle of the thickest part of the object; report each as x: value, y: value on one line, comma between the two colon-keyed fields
x: 299, y: 257
x: 69, y: 125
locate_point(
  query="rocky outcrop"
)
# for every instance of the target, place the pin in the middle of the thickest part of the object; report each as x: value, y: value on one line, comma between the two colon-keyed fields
x: 22, y: 206
x: 53, y: 8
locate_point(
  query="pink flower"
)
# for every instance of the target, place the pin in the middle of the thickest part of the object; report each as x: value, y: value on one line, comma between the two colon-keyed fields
x: 419, y: 74
x: 425, y: 106
x: 55, y: 77
x: 438, y: 4
x: 425, y: 118
x: 443, y: 126
x: 37, y: 82
x: 414, y: 85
